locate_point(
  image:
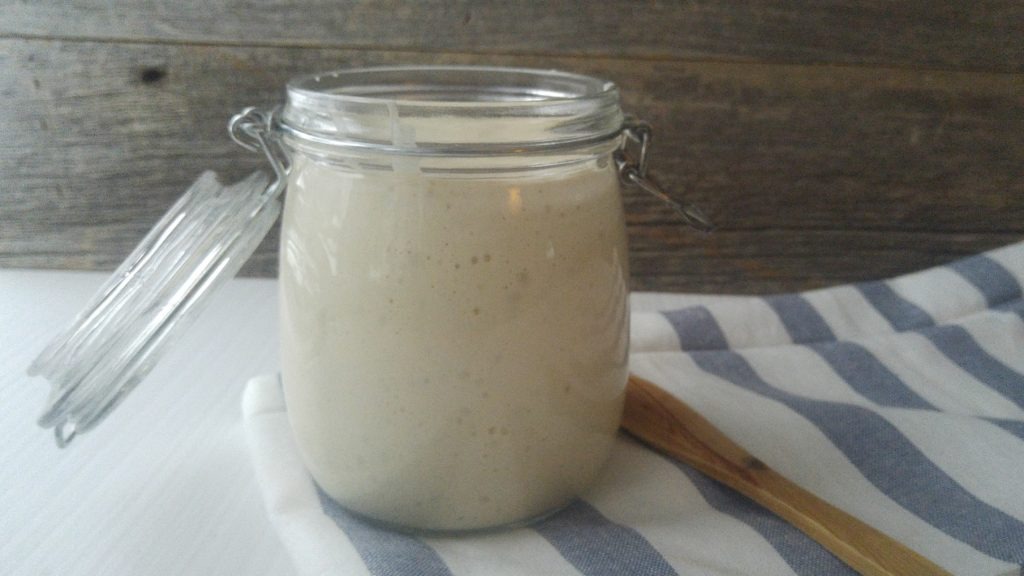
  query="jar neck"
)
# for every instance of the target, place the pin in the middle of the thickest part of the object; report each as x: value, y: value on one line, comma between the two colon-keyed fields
x: 451, y: 111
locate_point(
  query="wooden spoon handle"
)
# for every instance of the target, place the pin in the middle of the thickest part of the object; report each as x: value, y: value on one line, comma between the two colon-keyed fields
x: 668, y: 425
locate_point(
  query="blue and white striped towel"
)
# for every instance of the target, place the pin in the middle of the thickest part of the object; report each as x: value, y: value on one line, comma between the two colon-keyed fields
x: 901, y: 402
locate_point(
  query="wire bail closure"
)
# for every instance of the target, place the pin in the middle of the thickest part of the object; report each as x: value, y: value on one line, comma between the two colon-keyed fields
x: 632, y: 160
x: 253, y: 130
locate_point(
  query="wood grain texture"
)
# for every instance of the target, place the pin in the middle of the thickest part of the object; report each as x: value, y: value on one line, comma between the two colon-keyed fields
x: 945, y: 34
x: 671, y: 427
x: 814, y: 174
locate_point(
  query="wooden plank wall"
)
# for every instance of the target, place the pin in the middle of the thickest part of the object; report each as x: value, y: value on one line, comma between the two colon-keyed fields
x: 831, y: 141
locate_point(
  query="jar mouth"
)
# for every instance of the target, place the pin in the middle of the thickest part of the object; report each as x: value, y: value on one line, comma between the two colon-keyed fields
x: 450, y: 110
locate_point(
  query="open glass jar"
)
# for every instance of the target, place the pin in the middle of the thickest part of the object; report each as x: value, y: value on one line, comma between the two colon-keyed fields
x: 454, y: 283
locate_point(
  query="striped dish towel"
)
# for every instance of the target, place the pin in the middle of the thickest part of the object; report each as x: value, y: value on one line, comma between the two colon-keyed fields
x: 901, y: 402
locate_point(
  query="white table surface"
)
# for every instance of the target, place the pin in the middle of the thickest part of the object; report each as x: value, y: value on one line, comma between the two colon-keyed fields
x: 164, y: 485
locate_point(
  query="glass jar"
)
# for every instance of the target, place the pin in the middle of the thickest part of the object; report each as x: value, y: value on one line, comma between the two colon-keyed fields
x: 453, y: 276
x: 453, y: 273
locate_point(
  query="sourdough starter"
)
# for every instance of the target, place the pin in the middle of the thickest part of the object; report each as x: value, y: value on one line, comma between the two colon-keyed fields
x: 454, y: 347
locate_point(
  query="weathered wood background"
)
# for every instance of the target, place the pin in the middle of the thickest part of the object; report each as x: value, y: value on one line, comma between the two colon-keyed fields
x: 831, y: 141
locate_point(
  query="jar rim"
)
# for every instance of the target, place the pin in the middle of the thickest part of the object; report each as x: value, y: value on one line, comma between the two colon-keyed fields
x: 549, y: 86
x: 450, y: 110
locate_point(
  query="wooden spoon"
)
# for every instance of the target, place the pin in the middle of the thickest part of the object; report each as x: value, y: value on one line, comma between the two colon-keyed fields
x: 668, y: 425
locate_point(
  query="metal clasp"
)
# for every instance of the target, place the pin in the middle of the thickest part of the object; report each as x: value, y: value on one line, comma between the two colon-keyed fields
x: 632, y: 161
x: 253, y: 129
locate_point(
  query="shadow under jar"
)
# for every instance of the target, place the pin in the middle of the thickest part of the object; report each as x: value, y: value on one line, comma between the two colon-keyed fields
x: 454, y: 283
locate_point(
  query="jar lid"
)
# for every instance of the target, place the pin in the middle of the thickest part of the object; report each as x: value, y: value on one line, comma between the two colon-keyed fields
x: 450, y: 110
x: 199, y: 244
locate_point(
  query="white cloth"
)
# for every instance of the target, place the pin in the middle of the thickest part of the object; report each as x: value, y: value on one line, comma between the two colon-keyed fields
x: 901, y: 402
